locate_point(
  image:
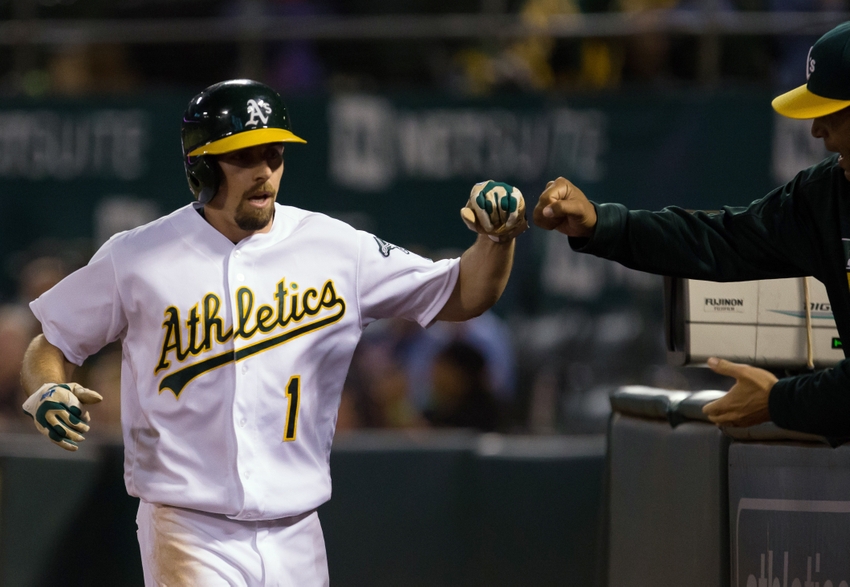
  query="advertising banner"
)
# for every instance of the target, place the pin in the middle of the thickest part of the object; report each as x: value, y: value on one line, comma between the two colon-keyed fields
x: 789, y: 515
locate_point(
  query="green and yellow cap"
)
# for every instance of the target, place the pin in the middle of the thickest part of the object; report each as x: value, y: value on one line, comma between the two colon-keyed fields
x: 233, y: 115
x: 828, y: 73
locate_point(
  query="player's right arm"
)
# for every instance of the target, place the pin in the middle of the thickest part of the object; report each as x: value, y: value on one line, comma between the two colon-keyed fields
x: 55, y: 405
x: 44, y: 363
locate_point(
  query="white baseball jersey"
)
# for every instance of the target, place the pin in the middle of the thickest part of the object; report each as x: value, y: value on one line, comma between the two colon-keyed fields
x: 235, y: 355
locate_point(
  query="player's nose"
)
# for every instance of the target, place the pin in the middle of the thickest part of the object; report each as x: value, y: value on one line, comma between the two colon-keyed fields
x: 263, y: 170
x: 819, y: 129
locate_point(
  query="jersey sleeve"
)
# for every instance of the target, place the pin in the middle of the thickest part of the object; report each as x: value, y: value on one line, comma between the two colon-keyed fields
x: 392, y: 282
x: 82, y: 313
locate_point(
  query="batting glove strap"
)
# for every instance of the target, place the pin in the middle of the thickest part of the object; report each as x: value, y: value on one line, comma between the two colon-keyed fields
x: 57, y: 412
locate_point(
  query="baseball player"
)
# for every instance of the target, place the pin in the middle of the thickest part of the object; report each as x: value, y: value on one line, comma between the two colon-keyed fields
x: 799, y: 229
x: 238, y: 317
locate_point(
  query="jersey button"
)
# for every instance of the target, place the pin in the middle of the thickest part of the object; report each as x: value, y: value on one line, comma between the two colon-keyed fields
x: 240, y: 277
x: 244, y: 369
x: 237, y: 254
x: 242, y: 422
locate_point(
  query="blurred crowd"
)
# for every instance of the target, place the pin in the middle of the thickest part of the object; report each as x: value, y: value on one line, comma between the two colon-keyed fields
x: 537, y: 63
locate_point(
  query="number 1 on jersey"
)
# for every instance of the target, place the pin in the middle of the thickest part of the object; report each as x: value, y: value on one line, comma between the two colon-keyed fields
x: 292, y: 389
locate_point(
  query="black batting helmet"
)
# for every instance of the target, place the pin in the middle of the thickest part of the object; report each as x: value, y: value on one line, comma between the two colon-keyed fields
x: 225, y: 117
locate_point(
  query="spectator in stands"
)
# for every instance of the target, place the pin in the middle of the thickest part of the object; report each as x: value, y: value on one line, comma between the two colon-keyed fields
x: 529, y: 63
x: 791, y: 50
x: 376, y: 390
x: 460, y: 397
x: 77, y: 70
x: 416, y: 350
x: 294, y: 64
x: 39, y: 275
x: 16, y: 328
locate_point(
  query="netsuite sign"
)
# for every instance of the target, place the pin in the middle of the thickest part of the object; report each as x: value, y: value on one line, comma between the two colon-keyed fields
x: 50, y: 144
x: 792, y: 543
x: 374, y: 142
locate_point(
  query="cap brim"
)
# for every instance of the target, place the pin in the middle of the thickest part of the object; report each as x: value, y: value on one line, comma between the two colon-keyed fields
x: 801, y: 103
x: 249, y: 138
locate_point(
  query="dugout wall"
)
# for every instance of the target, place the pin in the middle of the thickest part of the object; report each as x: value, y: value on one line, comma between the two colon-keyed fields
x: 413, y: 509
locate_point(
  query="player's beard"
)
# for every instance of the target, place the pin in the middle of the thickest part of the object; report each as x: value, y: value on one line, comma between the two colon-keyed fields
x: 251, y: 219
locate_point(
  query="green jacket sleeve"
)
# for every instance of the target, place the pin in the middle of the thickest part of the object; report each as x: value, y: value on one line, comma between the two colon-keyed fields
x: 818, y: 403
x: 772, y: 237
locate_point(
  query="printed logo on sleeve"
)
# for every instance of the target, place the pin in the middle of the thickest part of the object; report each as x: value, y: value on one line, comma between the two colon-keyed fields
x: 386, y: 248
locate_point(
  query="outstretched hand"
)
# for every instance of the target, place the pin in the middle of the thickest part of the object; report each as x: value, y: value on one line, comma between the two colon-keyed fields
x: 565, y: 208
x: 746, y: 404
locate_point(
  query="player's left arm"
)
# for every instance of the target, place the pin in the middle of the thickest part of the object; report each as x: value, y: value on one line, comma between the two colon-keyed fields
x: 484, y: 271
x: 495, y: 211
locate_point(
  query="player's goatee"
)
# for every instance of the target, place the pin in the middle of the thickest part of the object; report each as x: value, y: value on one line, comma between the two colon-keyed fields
x: 249, y: 218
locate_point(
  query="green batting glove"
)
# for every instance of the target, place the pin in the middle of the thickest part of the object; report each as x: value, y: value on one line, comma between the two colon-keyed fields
x: 495, y: 209
x: 57, y: 412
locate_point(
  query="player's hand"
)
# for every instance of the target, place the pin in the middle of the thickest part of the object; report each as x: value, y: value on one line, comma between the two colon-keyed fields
x: 495, y: 209
x: 56, y: 410
x: 746, y: 403
x: 565, y: 208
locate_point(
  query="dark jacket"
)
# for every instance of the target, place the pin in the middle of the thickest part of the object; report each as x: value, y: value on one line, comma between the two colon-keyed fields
x: 799, y: 229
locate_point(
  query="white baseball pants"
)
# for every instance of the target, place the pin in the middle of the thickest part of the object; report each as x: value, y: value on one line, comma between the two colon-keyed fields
x: 188, y: 548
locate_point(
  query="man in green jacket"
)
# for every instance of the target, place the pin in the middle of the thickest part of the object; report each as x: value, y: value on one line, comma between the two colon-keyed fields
x: 799, y: 229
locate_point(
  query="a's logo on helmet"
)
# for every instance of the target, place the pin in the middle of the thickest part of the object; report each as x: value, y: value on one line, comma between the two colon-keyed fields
x: 259, y: 111
x: 810, y: 64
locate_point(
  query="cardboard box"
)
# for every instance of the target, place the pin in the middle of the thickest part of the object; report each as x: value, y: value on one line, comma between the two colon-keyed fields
x: 761, y: 323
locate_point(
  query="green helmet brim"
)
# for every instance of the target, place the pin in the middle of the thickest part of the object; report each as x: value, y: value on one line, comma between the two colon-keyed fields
x: 249, y: 138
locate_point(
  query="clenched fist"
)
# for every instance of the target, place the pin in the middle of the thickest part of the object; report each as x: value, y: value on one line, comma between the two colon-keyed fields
x: 495, y: 209
x: 565, y: 208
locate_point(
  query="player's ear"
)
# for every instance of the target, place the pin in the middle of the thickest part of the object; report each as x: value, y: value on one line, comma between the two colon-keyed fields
x: 214, y: 179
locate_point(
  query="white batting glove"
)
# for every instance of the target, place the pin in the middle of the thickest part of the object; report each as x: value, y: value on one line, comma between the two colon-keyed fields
x: 56, y: 410
x: 495, y: 209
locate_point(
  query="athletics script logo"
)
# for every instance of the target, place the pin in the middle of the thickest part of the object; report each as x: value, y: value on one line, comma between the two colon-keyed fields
x: 791, y: 543
x: 292, y: 315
